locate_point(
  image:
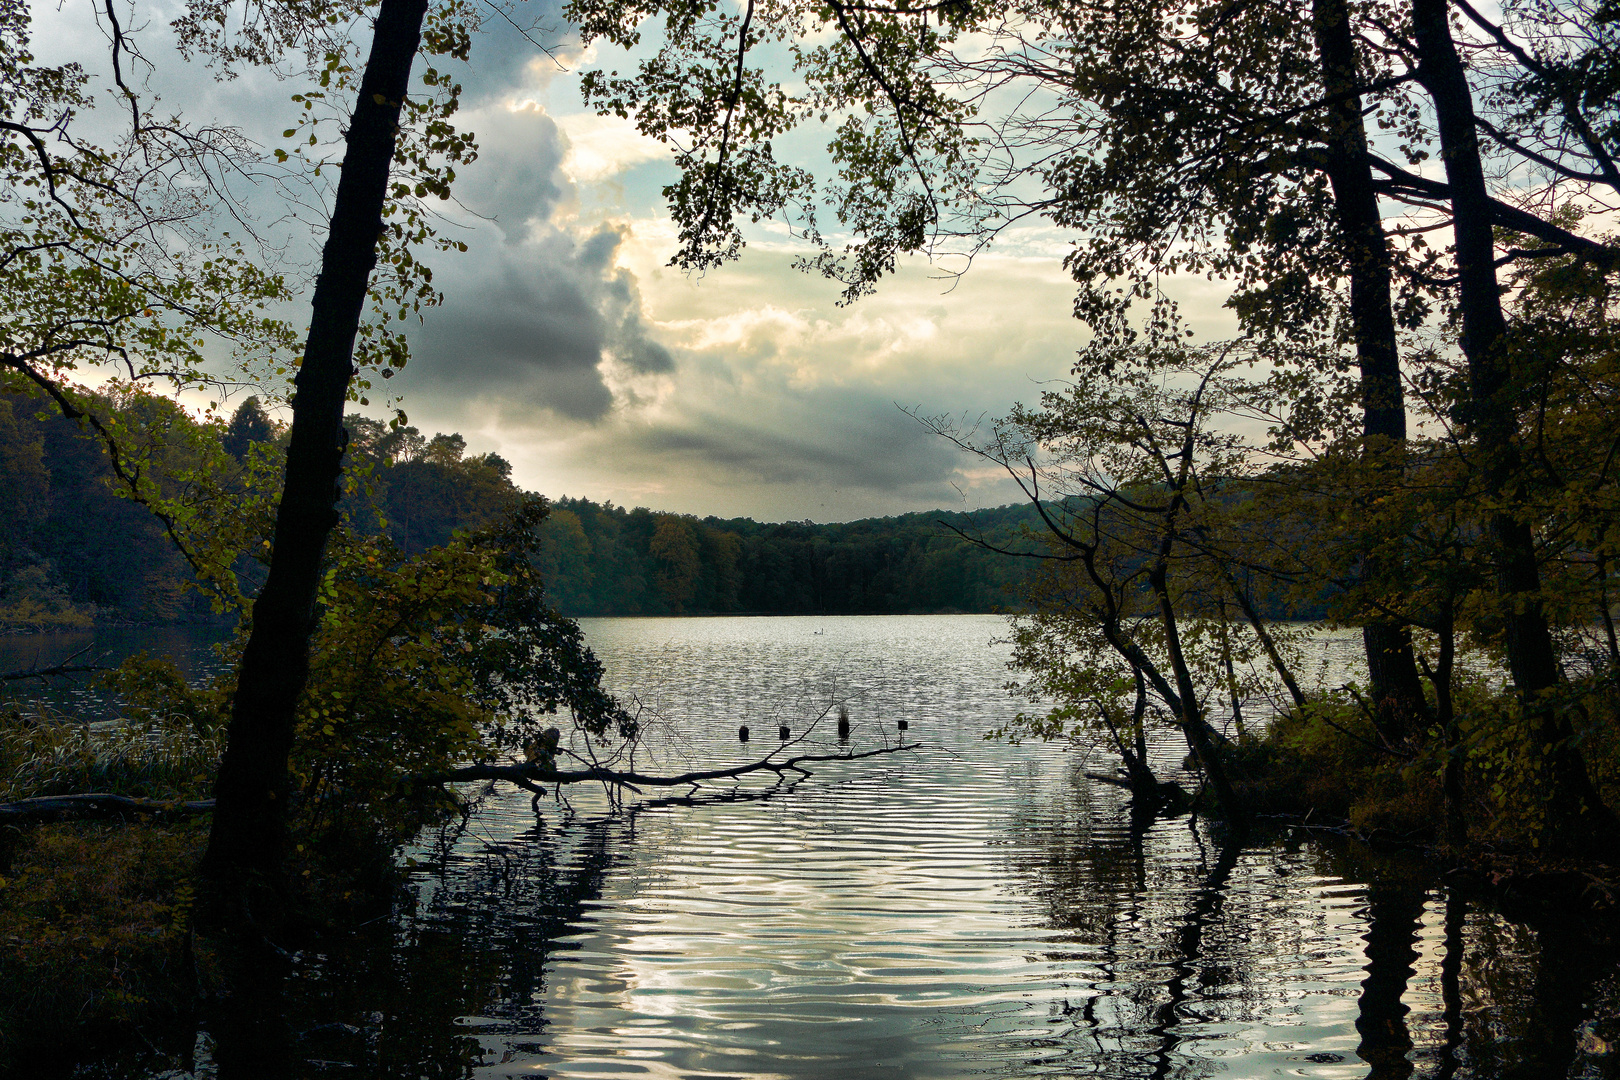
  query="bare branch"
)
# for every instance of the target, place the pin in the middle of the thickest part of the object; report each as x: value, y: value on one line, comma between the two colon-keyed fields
x: 529, y: 774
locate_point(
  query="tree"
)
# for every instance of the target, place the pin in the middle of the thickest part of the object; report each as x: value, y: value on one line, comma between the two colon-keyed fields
x: 564, y: 561
x: 111, y: 254
x: 249, y: 424
x: 1171, y: 137
x: 252, y: 788
x: 674, y: 551
x: 1183, y: 137
x: 1137, y: 490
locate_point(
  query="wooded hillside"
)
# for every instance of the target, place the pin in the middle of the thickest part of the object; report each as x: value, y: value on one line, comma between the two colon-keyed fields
x: 76, y: 553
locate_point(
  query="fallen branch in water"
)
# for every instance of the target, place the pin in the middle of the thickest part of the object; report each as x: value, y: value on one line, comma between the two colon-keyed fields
x: 48, y: 808
x: 52, y: 808
x: 531, y: 774
x: 65, y: 668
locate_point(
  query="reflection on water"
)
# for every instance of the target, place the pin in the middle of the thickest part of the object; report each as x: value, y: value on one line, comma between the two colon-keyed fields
x: 972, y: 909
x: 190, y: 647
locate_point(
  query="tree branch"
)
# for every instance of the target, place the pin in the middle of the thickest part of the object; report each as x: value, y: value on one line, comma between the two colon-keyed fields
x: 1503, y: 214
x: 528, y: 774
x: 65, y: 667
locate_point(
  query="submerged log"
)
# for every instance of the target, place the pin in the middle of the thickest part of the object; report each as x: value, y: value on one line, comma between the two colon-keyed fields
x: 51, y: 808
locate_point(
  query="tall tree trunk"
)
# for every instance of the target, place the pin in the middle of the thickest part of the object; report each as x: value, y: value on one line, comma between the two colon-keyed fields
x: 1574, y: 811
x: 252, y: 788
x: 1392, y: 669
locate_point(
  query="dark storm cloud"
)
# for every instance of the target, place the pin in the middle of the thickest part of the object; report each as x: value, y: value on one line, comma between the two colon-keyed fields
x: 532, y: 312
x: 831, y: 438
x: 531, y: 324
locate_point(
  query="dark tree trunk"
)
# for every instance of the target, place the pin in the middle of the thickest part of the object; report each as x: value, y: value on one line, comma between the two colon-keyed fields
x: 251, y: 791
x: 1192, y: 719
x: 1446, y: 719
x: 1397, y: 691
x: 1575, y: 814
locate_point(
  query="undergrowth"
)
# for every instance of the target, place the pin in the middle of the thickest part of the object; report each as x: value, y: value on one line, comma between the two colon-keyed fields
x: 94, y: 935
x: 1327, y: 762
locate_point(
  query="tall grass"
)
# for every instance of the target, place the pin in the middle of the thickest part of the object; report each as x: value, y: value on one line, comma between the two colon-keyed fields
x: 47, y: 753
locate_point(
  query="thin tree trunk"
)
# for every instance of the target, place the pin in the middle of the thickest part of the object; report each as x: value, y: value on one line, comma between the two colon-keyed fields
x: 1192, y: 718
x: 1231, y: 671
x: 1397, y: 692
x: 1269, y: 644
x: 1604, y: 611
x: 1446, y: 718
x: 252, y: 788
x: 1574, y: 810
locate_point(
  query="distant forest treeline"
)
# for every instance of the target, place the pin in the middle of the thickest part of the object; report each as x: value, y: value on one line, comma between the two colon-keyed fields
x: 606, y: 560
x: 73, y: 552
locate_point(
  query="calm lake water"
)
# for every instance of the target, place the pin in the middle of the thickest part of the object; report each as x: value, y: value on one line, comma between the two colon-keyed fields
x: 190, y: 647
x: 968, y: 909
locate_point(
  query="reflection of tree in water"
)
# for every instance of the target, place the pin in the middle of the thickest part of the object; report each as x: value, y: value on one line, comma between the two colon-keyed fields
x: 1525, y: 993
x: 410, y: 995
x: 1172, y: 939
x: 394, y: 999
x: 1150, y: 945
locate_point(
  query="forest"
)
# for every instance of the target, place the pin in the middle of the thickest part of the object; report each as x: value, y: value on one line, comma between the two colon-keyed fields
x: 77, y: 554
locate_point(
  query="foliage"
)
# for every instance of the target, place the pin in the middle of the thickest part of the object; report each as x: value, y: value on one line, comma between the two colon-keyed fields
x: 601, y: 559
x: 419, y: 663
x: 1174, y: 136
x: 248, y: 425
x: 82, y: 551
x: 423, y: 662
x: 112, y: 254
x: 1142, y: 609
x: 1325, y: 763
x: 31, y: 600
x: 1148, y: 472
x: 94, y: 923
x: 115, y: 562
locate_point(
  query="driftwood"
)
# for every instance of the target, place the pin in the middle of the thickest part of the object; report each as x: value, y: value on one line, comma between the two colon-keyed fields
x: 531, y: 774
x: 48, y: 808
x: 97, y: 805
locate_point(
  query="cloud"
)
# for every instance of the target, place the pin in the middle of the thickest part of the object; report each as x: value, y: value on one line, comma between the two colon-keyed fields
x: 536, y: 326
x: 515, y: 180
x: 778, y: 404
x: 604, y: 146
x: 567, y: 344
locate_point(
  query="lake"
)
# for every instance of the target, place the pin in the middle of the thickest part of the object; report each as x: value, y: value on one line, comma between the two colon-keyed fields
x: 967, y: 909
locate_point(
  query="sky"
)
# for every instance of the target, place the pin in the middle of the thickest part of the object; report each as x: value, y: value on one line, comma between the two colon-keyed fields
x: 566, y: 343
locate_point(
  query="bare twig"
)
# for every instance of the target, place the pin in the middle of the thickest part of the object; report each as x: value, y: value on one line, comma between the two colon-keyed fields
x: 64, y: 668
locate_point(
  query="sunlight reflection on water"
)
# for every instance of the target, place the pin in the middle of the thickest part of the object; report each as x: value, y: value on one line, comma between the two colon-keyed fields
x: 966, y: 909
